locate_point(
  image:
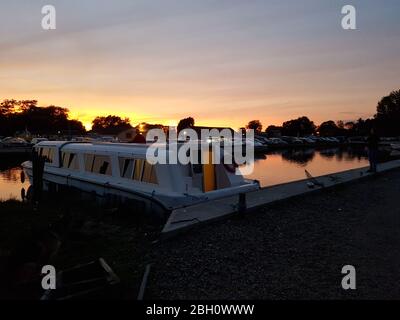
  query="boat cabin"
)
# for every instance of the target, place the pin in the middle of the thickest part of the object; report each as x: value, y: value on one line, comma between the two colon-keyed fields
x: 125, y: 166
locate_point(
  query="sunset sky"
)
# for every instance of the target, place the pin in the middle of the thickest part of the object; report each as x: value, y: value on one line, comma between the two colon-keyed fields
x: 224, y: 62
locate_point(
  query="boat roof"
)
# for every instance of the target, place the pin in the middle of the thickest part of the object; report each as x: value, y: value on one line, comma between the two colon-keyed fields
x: 94, y: 146
x: 100, y: 147
x: 105, y: 147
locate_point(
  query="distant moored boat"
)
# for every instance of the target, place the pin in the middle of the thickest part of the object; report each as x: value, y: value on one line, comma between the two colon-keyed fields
x: 11, y: 145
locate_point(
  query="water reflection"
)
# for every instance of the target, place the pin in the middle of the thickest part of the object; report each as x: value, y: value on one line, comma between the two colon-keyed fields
x: 288, y: 165
x: 11, y: 185
x: 302, y: 157
x: 298, y: 156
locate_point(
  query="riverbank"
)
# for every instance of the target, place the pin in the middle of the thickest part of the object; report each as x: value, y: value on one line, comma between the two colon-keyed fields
x: 289, y: 250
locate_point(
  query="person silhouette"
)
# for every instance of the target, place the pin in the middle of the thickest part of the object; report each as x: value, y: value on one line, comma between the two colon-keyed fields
x: 373, y: 144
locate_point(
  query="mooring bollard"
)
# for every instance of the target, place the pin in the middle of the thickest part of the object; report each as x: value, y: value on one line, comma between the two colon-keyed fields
x: 242, y: 205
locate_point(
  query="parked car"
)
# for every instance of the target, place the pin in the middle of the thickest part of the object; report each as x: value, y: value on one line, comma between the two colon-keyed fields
x: 15, y: 143
x: 254, y: 143
x: 263, y: 139
x: 37, y: 140
x: 314, y: 139
x: 357, y: 140
x: 342, y: 139
x: 276, y: 141
x: 334, y: 140
x: 307, y: 140
x: 390, y: 139
x: 259, y: 140
x: 324, y: 140
x: 292, y: 140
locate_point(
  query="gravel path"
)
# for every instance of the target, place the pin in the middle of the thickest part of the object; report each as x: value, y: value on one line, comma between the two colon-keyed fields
x: 290, y: 250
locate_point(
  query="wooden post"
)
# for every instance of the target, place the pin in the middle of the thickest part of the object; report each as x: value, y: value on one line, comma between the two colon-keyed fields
x: 37, y: 180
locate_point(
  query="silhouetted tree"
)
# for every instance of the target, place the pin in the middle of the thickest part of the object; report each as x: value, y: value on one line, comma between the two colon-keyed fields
x: 388, y: 114
x: 8, y: 106
x: 25, y: 105
x: 298, y: 127
x: 328, y: 129
x: 185, y: 123
x: 74, y: 127
x: 362, y: 127
x: 110, y: 125
x: 26, y: 115
x: 273, y: 131
x: 255, y: 125
x: 340, y: 124
x: 350, y: 127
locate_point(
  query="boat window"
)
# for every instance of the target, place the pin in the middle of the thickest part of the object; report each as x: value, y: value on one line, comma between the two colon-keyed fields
x: 50, y: 156
x: 64, y: 159
x: 153, y: 176
x: 47, y: 154
x: 44, y: 152
x: 137, y: 169
x: 70, y: 161
x: 98, y: 164
x: 149, y: 173
x: 126, y: 167
x: 73, y: 162
x: 137, y: 175
x: 89, y: 159
x: 102, y: 165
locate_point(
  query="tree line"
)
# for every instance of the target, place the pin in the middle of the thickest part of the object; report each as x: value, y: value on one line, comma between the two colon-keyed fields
x: 386, y: 122
x: 26, y: 115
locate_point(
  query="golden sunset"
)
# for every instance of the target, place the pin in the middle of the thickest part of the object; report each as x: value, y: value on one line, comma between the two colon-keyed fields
x: 159, y: 61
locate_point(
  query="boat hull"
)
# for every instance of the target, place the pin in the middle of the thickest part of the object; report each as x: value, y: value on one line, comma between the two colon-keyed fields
x: 154, y: 204
x: 104, y: 193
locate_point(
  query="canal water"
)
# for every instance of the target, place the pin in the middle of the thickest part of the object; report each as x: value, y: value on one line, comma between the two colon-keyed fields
x: 289, y: 165
x: 272, y: 168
